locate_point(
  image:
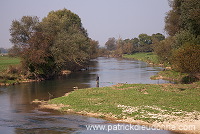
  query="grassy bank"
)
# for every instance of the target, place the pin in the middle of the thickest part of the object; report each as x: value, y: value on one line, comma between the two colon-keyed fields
x: 151, y: 103
x: 108, y: 99
x: 6, y: 61
x: 174, y: 76
x: 146, y: 57
x: 167, y: 74
x: 5, y: 77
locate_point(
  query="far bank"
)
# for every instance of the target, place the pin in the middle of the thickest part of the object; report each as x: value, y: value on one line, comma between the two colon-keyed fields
x: 168, y: 72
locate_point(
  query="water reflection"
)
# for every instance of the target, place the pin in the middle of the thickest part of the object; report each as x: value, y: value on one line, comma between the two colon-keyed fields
x: 19, y: 116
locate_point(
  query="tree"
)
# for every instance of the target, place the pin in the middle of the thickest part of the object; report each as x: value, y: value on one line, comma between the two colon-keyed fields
x: 183, y: 37
x: 164, y: 49
x: 144, y: 43
x: 37, y: 58
x: 60, y: 21
x: 94, y: 46
x: 157, y: 37
x: 128, y: 48
x: 190, y: 16
x: 71, y: 51
x: 111, y: 44
x: 71, y: 48
x: 185, y: 15
x: 144, y: 39
x: 21, y: 31
x: 14, y: 51
x: 58, y: 42
x: 102, y: 51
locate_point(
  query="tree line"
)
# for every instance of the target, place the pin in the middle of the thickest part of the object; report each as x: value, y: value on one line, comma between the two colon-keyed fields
x: 144, y: 43
x: 180, y: 49
x: 58, y: 42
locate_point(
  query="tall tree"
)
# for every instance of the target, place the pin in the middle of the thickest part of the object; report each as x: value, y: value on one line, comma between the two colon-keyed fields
x: 157, y: 37
x: 71, y: 46
x: 190, y: 16
x: 58, y: 42
x: 37, y: 58
x: 22, y: 30
x: 144, y: 43
x: 111, y: 44
x: 94, y: 47
x: 185, y: 15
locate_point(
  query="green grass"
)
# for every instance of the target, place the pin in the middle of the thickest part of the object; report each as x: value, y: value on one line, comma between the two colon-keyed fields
x: 171, y: 75
x: 146, y: 57
x: 6, y: 61
x: 135, y: 100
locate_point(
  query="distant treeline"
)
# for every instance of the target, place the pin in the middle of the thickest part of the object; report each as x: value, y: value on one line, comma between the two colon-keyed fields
x: 181, y: 48
x: 144, y: 43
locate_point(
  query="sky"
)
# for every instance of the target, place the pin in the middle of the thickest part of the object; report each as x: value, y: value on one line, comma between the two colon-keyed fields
x: 102, y: 19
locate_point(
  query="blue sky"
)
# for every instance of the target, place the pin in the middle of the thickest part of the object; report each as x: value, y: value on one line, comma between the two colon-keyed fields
x: 102, y: 18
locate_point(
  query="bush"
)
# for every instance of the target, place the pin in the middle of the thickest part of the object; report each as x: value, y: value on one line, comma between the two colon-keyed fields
x: 164, y: 49
x: 186, y: 58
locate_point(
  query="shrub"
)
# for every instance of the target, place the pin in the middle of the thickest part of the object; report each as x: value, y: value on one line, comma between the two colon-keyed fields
x: 164, y: 49
x: 186, y: 58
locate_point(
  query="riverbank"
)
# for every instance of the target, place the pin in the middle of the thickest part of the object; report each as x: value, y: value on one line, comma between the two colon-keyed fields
x: 154, y: 105
x: 10, y: 72
x: 20, y: 79
x: 168, y: 73
x: 5, y: 63
x: 146, y: 57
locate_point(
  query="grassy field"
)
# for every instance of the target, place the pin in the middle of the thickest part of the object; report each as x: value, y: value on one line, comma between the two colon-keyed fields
x: 6, y: 61
x: 148, y: 102
x: 146, y: 57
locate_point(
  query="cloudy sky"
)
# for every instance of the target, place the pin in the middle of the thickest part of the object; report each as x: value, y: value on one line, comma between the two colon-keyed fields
x: 102, y: 18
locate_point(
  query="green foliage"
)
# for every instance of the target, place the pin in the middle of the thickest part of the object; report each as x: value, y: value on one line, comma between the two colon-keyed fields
x: 71, y: 51
x: 183, y: 16
x: 183, y: 37
x: 37, y: 57
x: 103, y: 52
x: 57, y: 43
x: 62, y: 21
x: 71, y: 46
x: 157, y: 37
x: 128, y: 46
x: 183, y: 25
x: 164, y: 49
x: 144, y: 39
x: 172, y: 23
x: 190, y: 16
x: 21, y: 31
x: 111, y: 44
x: 186, y: 58
x: 94, y: 49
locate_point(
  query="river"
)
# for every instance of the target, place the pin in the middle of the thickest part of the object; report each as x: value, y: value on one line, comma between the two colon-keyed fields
x: 19, y: 116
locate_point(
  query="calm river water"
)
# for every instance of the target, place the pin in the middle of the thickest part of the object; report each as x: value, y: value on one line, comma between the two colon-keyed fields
x: 19, y: 116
